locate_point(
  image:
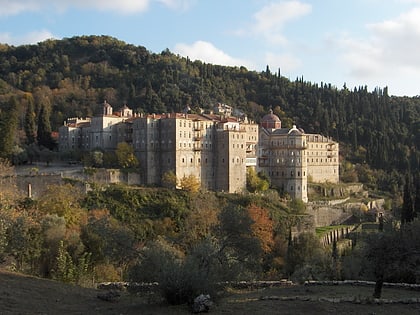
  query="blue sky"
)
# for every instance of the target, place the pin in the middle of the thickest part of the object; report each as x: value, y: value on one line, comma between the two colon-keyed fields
x: 358, y: 42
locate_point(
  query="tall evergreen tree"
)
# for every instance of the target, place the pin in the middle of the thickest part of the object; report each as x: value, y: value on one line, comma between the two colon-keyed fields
x: 407, y: 211
x: 30, y: 121
x: 417, y: 196
x: 44, y: 128
x: 8, y: 128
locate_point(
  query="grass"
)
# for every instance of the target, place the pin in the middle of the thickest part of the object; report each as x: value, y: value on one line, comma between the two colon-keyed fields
x: 321, y: 231
x: 29, y: 295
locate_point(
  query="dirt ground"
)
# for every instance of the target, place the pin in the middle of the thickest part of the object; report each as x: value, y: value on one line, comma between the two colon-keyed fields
x: 28, y: 295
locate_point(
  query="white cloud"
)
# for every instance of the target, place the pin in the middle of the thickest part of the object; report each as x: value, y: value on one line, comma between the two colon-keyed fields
x: 391, y: 46
x: 286, y: 62
x: 206, y: 52
x: 14, y: 7
x: 389, y: 52
x: 178, y: 4
x: 33, y: 37
x: 271, y: 19
x: 120, y: 6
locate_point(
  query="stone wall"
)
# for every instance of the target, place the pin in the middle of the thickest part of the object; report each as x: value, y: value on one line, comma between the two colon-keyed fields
x: 36, y: 185
x: 336, y: 191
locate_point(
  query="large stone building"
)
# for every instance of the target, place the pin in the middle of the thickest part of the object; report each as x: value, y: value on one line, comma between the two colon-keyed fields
x: 215, y: 148
x: 291, y: 157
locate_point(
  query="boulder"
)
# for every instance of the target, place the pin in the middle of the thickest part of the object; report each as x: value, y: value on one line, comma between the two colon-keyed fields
x: 202, y: 304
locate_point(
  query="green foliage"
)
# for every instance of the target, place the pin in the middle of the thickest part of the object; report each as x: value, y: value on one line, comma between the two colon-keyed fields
x: 30, y: 120
x: 69, y: 271
x: 169, y: 179
x: 24, y: 242
x: 373, y: 128
x: 125, y: 156
x: 44, y: 128
x: 8, y: 127
x: 108, y: 240
x: 190, y: 183
x: 63, y: 200
x: 307, y: 259
x: 240, y: 251
x: 256, y: 182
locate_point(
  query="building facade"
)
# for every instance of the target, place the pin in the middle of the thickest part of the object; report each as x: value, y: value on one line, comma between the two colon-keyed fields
x: 290, y: 157
x: 215, y: 148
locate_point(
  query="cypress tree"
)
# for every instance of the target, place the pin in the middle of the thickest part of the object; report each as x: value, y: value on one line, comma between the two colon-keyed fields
x: 407, y: 211
x: 8, y: 128
x: 44, y: 128
x: 30, y: 122
x: 417, y: 196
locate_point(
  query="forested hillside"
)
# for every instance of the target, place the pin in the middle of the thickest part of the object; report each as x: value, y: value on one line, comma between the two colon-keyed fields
x: 190, y: 242
x: 57, y: 79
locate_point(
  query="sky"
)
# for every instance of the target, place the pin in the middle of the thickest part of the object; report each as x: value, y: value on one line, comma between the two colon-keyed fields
x: 373, y: 43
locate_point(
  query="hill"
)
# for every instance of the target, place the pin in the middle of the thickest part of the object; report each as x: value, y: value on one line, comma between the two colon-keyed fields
x: 72, y: 76
x: 28, y: 295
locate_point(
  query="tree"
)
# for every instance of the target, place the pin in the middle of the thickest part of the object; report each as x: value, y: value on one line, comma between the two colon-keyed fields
x: 262, y: 227
x: 8, y: 128
x: 256, y: 182
x: 169, y: 179
x: 30, y: 120
x: 239, y: 250
x: 24, y: 241
x: 8, y: 186
x: 64, y: 201
x: 44, y: 128
x: 109, y: 241
x: 190, y: 183
x: 407, y: 211
x: 125, y: 156
x: 306, y: 259
x: 393, y: 255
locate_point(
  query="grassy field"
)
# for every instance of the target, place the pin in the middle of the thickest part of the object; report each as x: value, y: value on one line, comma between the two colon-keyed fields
x: 28, y: 295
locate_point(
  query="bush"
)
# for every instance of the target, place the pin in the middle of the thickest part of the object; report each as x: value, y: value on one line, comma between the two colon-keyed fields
x: 180, y: 279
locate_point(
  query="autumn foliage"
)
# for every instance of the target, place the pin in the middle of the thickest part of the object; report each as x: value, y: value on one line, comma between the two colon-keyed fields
x: 262, y: 227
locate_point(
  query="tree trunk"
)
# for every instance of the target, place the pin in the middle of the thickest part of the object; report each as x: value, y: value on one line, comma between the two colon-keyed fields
x: 378, y: 287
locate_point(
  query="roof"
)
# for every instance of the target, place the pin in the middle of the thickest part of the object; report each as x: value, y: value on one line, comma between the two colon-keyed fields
x: 270, y: 117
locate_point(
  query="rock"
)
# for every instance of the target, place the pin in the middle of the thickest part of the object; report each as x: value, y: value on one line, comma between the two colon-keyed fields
x: 202, y: 304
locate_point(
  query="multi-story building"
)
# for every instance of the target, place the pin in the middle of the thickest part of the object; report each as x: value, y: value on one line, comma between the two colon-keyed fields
x: 290, y: 157
x: 99, y: 132
x: 215, y: 148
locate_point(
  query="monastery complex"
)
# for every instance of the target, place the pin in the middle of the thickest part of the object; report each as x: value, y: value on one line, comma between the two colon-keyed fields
x: 215, y: 148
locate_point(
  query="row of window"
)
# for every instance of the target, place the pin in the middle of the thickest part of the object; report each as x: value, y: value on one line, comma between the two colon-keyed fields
x: 234, y: 160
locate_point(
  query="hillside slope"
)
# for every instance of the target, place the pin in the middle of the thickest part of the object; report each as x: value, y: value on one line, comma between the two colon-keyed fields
x: 28, y: 295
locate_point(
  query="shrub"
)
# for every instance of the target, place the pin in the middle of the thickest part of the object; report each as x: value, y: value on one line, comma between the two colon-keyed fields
x: 180, y: 279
